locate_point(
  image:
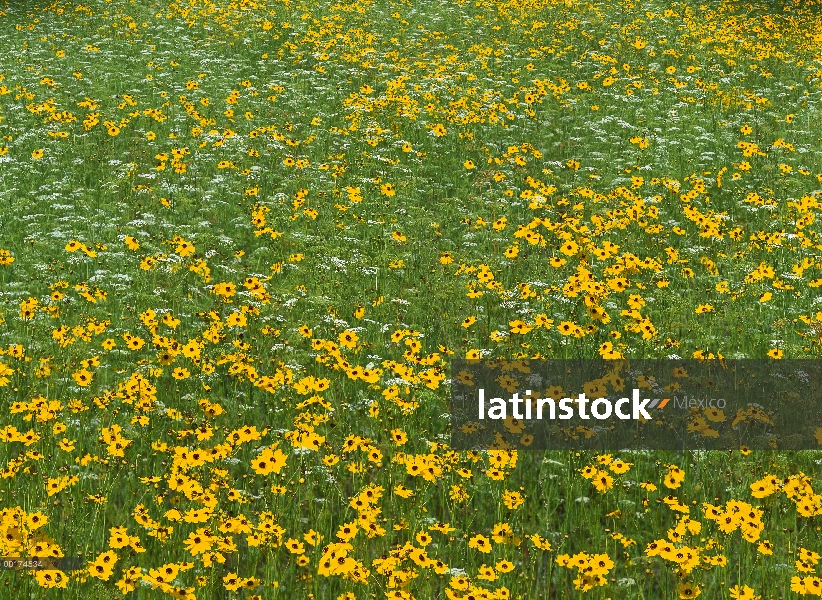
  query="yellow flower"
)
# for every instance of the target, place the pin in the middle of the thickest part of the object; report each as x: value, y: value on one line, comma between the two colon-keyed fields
x: 180, y: 373
x: 82, y: 377
x: 269, y: 461
x: 348, y: 339
x: 481, y: 543
x: 602, y: 481
x: 569, y: 248
x: 619, y: 466
x: 512, y: 500
x: 743, y: 593
x: 688, y: 590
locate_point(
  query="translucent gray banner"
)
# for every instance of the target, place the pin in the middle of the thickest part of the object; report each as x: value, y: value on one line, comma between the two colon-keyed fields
x: 648, y: 404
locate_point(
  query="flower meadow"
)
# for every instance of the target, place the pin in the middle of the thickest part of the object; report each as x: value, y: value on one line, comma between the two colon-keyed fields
x: 240, y: 242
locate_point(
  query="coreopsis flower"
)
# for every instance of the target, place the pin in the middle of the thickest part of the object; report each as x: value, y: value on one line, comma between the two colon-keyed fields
x: 540, y: 542
x: 480, y: 543
x: 50, y: 578
x: 619, y: 466
x: 399, y: 437
x: 569, y: 248
x: 402, y: 491
x: 225, y: 289
x: 270, y: 460
x: 688, y: 590
x: 602, y: 481
x: 674, y: 478
x: 103, y: 566
x: 512, y: 500
x: 347, y: 531
x: 348, y: 339
x: 82, y: 377
x: 180, y: 373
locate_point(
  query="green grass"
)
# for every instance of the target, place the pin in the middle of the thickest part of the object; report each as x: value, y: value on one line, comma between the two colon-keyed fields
x: 105, y: 89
